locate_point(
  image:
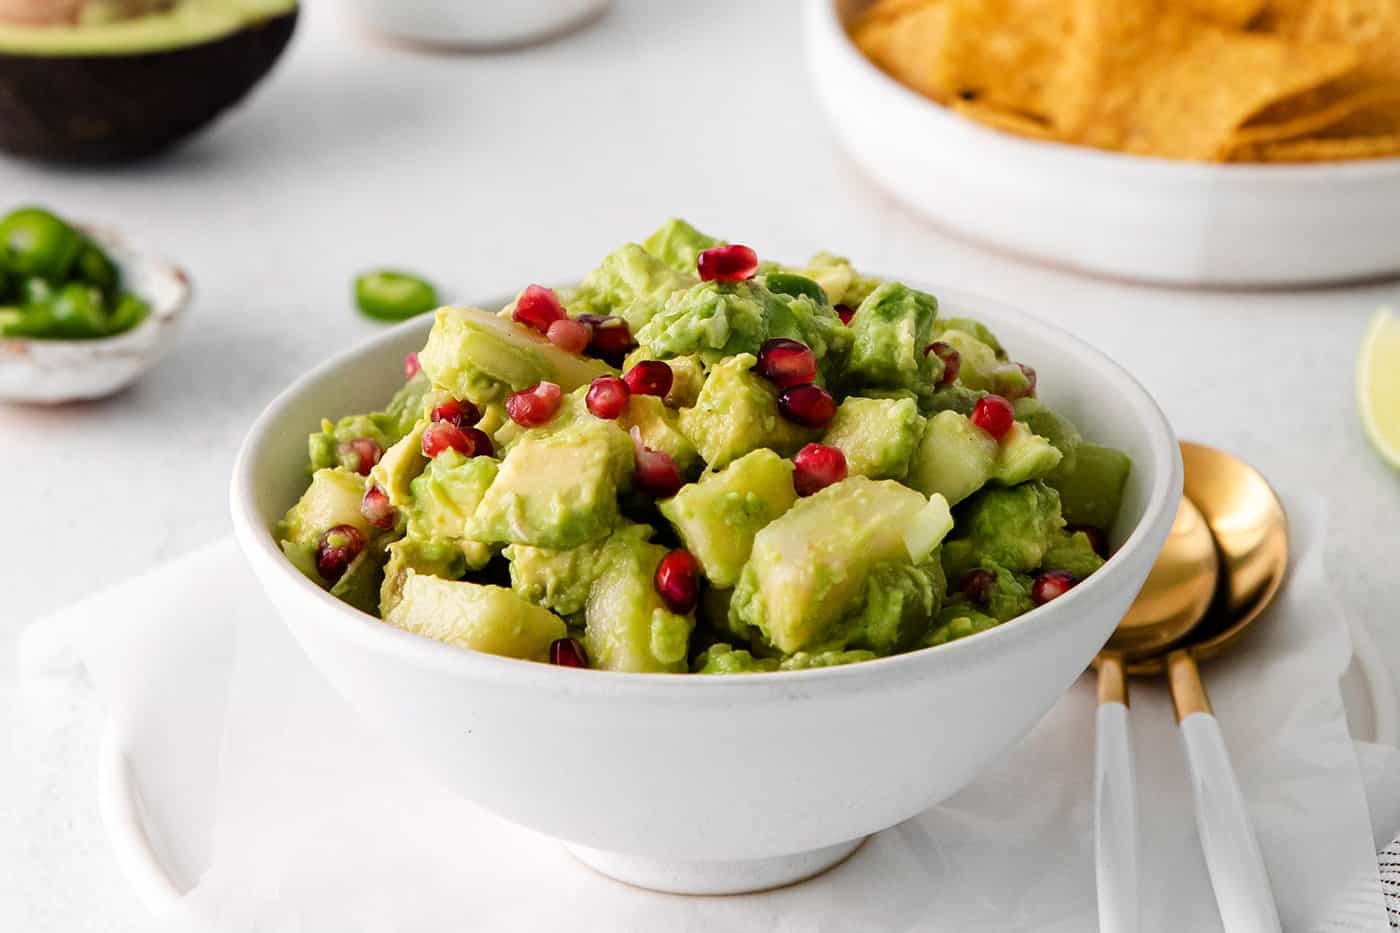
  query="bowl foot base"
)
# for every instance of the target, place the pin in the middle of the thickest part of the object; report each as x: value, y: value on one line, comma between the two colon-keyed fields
x: 740, y: 876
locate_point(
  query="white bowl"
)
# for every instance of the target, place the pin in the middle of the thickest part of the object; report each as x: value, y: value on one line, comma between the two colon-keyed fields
x: 475, y: 23
x: 1133, y: 217
x: 50, y: 371
x: 712, y: 784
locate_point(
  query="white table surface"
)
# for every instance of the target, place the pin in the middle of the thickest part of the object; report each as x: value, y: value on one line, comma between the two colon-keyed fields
x: 494, y: 170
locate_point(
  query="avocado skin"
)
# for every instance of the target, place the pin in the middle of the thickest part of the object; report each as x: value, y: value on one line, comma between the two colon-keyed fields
x: 92, y: 109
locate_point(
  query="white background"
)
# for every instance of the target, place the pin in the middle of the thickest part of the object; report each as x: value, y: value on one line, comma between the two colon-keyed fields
x: 491, y: 171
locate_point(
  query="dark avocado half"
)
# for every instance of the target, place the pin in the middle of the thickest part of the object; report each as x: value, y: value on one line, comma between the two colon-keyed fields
x: 117, y: 91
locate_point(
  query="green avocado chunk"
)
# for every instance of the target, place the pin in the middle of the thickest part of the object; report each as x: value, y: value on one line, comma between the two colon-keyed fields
x: 627, y: 626
x: 1023, y: 455
x: 842, y: 284
x: 891, y: 330
x: 725, y: 659
x: 976, y: 329
x: 736, y: 412
x: 1091, y: 485
x: 1011, y: 526
x: 360, y: 584
x: 878, y: 436
x: 718, y: 516
x: 386, y: 428
x: 556, y: 490
x: 958, y: 621
x: 332, y: 499
x: 431, y: 558
x: 490, y: 619
x: 1049, y: 424
x: 659, y: 428
x: 679, y: 245
x: 1072, y: 553
x: 955, y: 458
x: 445, y: 495
x: 805, y: 585
x: 632, y: 284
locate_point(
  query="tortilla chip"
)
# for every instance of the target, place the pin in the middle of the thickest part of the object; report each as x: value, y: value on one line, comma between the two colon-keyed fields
x: 1327, y: 150
x: 1372, y: 27
x: 1008, y: 121
x: 1283, y: 17
x: 1150, y: 79
x: 1225, y: 12
x: 1004, y: 52
x: 906, y: 44
x: 1375, y: 110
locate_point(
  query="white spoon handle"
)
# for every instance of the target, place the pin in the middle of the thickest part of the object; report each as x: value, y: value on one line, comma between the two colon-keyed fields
x: 1237, y: 872
x: 1115, y: 821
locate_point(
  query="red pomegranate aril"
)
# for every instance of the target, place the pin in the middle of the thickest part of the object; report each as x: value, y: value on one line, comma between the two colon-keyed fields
x: 376, y: 509
x: 538, y: 307
x: 816, y: 467
x: 845, y: 313
x: 442, y: 436
x: 569, y: 335
x: 1097, y: 539
x: 808, y: 405
x: 456, y: 412
x: 607, y: 397
x: 649, y: 377
x: 657, y: 473
x: 977, y: 585
x: 785, y: 362
x: 612, y: 338
x: 732, y: 263
x: 536, y: 405
x: 411, y: 366
x: 952, y: 361
x: 359, y: 454
x: 678, y: 580
x: 335, y: 550
x: 994, y: 414
x: 1051, y: 585
x: 568, y: 652
x: 480, y: 443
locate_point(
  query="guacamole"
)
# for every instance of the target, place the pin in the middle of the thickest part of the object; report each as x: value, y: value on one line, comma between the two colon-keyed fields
x: 697, y: 461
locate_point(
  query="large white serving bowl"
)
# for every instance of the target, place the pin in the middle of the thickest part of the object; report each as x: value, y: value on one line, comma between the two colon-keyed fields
x: 1154, y: 220
x: 712, y: 784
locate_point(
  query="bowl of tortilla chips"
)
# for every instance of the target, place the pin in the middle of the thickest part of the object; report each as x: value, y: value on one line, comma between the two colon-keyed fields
x: 1224, y: 142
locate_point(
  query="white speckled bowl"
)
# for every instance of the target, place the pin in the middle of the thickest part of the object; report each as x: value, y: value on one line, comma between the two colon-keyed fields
x: 712, y: 784
x: 51, y: 371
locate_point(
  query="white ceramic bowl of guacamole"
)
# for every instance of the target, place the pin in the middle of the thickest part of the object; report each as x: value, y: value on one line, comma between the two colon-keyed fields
x: 705, y: 784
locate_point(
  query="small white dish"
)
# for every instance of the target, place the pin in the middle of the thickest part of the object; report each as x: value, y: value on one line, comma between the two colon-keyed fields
x: 468, y: 24
x: 638, y: 747
x: 1153, y: 220
x: 52, y: 371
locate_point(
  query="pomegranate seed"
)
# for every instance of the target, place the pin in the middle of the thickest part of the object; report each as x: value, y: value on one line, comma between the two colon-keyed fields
x: 1097, y: 539
x: 376, y: 509
x: 442, y: 435
x: 612, y: 338
x: 411, y: 367
x: 657, y: 474
x: 536, y: 405
x: 650, y: 377
x: 732, y: 263
x: 336, y: 549
x: 952, y: 361
x: 607, y: 396
x: 1051, y: 585
x: 977, y: 585
x: 538, y: 307
x: 678, y: 580
x: 482, y: 445
x: 569, y: 336
x: 994, y: 414
x: 359, y: 454
x: 816, y: 467
x: 785, y: 362
x: 568, y: 652
x: 808, y: 405
x: 845, y: 313
x: 457, y: 413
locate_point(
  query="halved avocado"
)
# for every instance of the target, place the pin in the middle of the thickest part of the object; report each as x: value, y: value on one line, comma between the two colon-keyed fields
x: 116, y: 91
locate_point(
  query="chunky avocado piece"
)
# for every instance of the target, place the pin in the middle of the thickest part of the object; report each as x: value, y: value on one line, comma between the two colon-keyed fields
x: 445, y: 495
x: 627, y: 626
x: 1091, y: 484
x: 736, y: 412
x: 630, y: 283
x: 679, y: 245
x: 399, y: 466
x: 958, y: 621
x: 432, y: 558
x: 1024, y: 455
x: 955, y: 397
x: 491, y: 619
x: 556, y: 490
x: 1007, y: 596
x: 891, y: 331
x: 809, y: 569
x: 122, y: 90
x: 981, y: 368
x: 842, y: 284
x: 562, y: 579
x: 723, y: 658
x: 1049, y: 424
x: 332, y: 499
x: 1010, y: 526
x: 878, y: 436
x: 977, y: 329
x: 1072, y: 553
x: 718, y: 516
x: 482, y: 357
x: 898, y: 601
x: 361, y: 582
x: 955, y: 458
x: 659, y: 428
x: 386, y: 428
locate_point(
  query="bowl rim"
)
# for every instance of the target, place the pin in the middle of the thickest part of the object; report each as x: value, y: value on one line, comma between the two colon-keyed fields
x: 260, y: 549
x: 935, y: 118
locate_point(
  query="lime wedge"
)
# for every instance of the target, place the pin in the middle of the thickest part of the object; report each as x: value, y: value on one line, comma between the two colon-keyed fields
x: 1378, y: 384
